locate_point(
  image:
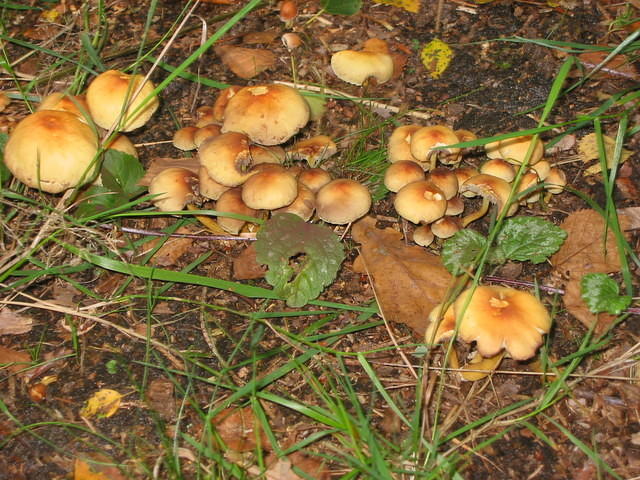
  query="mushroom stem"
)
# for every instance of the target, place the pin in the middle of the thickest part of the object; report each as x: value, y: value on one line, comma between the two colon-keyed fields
x: 472, y: 217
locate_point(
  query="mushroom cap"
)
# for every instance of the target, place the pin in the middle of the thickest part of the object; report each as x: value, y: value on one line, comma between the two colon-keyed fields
x: 402, y: 172
x: 426, y: 138
x: 444, y: 325
x: 209, y: 188
x: 108, y: 94
x: 555, y: 181
x: 313, y: 150
x: 204, y: 133
x: 76, y: 104
x: 399, y: 147
x: 542, y: 168
x: 515, y: 149
x: 455, y: 206
x: 420, y: 202
x: 184, y: 138
x: 528, y: 180
x: 355, y: 67
x: 314, y: 178
x: 493, y: 188
x: 121, y: 143
x: 175, y: 188
x: 499, y: 168
x: 270, y: 189
x: 221, y: 102
x: 52, y: 150
x: 205, y: 116
x: 463, y: 174
x: 304, y: 204
x: 342, y: 201
x: 446, y: 180
x: 226, y: 158
x: 267, y: 114
x: 231, y: 202
x: 502, y: 317
x: 446, y: 227
x: 423, y: 236
x: 267, y: 154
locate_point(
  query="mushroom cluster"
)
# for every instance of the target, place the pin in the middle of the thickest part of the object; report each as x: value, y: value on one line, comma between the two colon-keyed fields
x: 243, y: 155
x: 56, y: 148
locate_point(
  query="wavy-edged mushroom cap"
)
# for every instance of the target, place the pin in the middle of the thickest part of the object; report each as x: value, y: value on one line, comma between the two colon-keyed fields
x: 499, y: 318
x: 515, y: 149
x: 184, y: 138
x: 231, y: 202
x: 313, y: 150
x: 555, y: 181
x: 304, y: 204
x: 499, y: 168
x: 121, y: 143
x: 314, y: 178
x: 76, y: 104
x: 267, y: 114
x: 356, y: 66
x: 175, y: 188
x: 420, y: 202
x: 492, y: 190
x: 342, y: 201
x: 270, y: 189
x: 209, y: 188
x: 401, y: 173
x: 52, y: 150
x: 399, y: 147
x: 424, y: 140
x: 423, y: 236
x: 227, y: 158
x: 111, y: 91
x: 446, y: 180
x: 267, y: 154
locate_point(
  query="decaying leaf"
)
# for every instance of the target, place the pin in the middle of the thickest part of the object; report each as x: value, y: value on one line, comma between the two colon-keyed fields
x: 436, y: 57
x: 96, y: 467
x: 245, y: 265
x: 171, y: 250
x: 13, y: 360
x: 588, y: 151
x: 12, y: 323
x: 104, y: 403
x: 409, y: 281
x: 619, y: 66
x: 239, y: 430
x: 282, y: 468
x: 265, y: 36
x: 576, y: 306
x: 160, y: 397
x: 412, y: 6
x: 245, y: 62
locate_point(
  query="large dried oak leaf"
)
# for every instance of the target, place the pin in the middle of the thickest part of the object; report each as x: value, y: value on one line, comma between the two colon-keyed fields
x: 408, y: 280
x: 245, y: 62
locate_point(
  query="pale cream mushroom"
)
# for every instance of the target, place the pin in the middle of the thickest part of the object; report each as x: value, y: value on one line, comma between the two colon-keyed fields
x: 356, y: 66
x: 401, y: 173
x: 314, y: 150
x: 420, y: 202
x: 493, y: 190
x: 173, y: 188
x: 342, y: 201
x: 399, y: 146
x: 425, y: 140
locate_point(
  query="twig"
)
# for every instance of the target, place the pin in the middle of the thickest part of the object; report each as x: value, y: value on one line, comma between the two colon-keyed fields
x: 250, y: 237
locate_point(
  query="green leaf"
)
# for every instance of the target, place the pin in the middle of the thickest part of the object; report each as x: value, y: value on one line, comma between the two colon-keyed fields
x: 529, y: 239
x: 341, y: 7
x: 601, y: 294
x: 5, y: 174
x: 460, y: 251
x: 302, y: 258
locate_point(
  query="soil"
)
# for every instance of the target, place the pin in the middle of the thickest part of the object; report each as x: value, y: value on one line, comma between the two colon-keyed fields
x: 490, y: 87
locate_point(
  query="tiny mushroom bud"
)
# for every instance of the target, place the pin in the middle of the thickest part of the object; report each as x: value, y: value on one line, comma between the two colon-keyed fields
x: 423, y: 236
x: 499, y: 168
x: 401, y: 173
x: 356, y: 67
x: 174, y: 187
x: 267, y: 114
x: 52, y: 151
x: 184, y: 137
x: 424, y: 140
x: 455, y: 206
x: 270, y: 189
x: 117, y: 98
x: 231, y: 202
x: 420, y: 202
x: 399, y: 147
x: 291, y: 40
x: 493, y: 190
x: 314, y: 178
x: 314, y: 150
x: 342, y: 201
x: 288, y: 10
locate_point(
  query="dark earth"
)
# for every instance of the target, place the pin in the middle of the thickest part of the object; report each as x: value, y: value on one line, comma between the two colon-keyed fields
x: 490, y: 87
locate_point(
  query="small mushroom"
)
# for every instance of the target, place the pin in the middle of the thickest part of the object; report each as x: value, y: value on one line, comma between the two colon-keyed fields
x: 184, y: 138
x: 175, y: 187
x: 492, y: 190
x: 227, y: 158
x: 303, y: 205
x: 555, y: 181
x: 269, y: 189
x: 499, y: 168
x: 423, y: 236
x: 514, y: 149
x: 424, y: 140
x: 446, y: 227
x: 399, y: 146
x: 209, y: 188
x: 446, y: 180
x: 204, y: 133
x: 314, y: 178
x: 529, y: 181
x: 314, y: 150
x: 356, y: 66
x: 401, y: 173
x: 121, y: 143
x: 420, y: 202
x: 231, y: 202
x: 76, y: 104
x: 342, y: 201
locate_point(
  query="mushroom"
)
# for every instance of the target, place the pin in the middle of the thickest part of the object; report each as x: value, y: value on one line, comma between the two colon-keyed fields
x: 342, y: 201
x: 314, y: 178
x: 52, y: 151
x: 399, y: 147
x: 423, y: 236
x: 446, y: 180
x: 174, y: 188
x: 492, y: 190
x: 76, y: 104
x: 529, y: 181
x: 269, y: 189
x: 221, y: 102
x: 555, y: 181
x: 231, y: 202
x: 424, y: 140
x: 401, y: 173
x: 356, y: 67
x: 226, y: 158
x: 116, y: 99
x: 204, y: 133
x: 420, y: 202
x: 267, y: 114
x: 515, y: 149
x: 463, y: 174
x: 542, y: 168
x: 445, y: 227
x: 499, y: 168
x: 267, y: 154
x: 209, y: 188
x: 121, y: 143
x: 184, y: 138
x: 205, y: 116
x: 455, y: 206
x: 303, y: 205
x: 314, y: 150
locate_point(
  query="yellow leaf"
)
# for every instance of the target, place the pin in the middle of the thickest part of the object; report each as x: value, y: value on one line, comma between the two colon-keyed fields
x: 51, y: 15
x: 588, y: 150
x: 472, y: 370
x: 82, y: 471
x: 436, y: 57
x: 103, y: 403
x: 412, y: 6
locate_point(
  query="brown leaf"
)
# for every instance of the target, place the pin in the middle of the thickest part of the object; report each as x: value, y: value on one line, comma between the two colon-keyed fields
x: 160, y: 397
x: 12, y: 323
x: 238, y: 429
x: 169, y: 253
x: 579, y: 309
x: 617, y: 67
x: 585, y: 249
x: 96, y: 467
x: 18, y: 360
x: 245, y: 62
x: 408, y: 280
x: 162, y: 163
x: 245, y: 266
x: 266, y: 36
